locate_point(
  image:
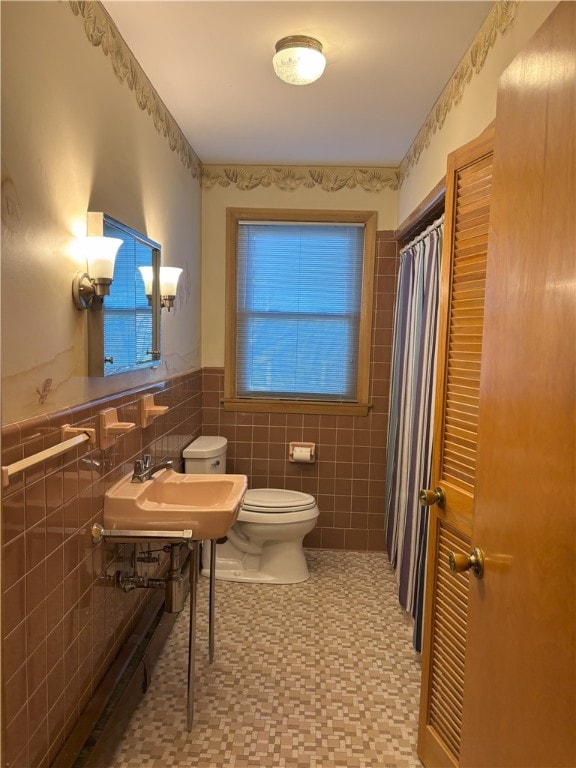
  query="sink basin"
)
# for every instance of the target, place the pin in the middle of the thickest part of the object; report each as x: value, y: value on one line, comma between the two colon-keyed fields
x: 170, y: 501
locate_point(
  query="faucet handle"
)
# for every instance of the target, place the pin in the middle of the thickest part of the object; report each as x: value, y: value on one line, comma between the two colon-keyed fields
x: 146, y: 461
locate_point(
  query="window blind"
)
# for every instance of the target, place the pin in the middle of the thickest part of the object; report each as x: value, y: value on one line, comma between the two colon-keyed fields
x: 299, y: 288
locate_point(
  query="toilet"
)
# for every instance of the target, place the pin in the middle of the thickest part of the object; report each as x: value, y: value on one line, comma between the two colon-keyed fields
x: 265, y: 543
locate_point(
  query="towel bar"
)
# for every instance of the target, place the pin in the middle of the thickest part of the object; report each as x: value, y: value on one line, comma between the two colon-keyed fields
x: 84, y: 436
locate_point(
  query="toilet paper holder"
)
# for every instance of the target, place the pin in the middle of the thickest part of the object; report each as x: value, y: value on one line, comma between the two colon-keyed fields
x: 302, y: 453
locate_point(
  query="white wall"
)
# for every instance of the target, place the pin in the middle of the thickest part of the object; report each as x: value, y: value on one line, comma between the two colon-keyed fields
x: 475, y: 111
x: 73, y: 140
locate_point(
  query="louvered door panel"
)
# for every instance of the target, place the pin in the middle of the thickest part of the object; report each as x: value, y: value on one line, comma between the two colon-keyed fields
x: 461, y: 320
x: 449, y: 640
x: 466, y: 319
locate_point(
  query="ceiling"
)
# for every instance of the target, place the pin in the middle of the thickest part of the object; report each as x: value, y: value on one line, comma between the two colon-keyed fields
x: 210, y: 62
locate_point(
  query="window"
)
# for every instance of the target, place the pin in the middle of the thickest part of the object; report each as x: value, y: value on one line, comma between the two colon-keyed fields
x: 299, y: 302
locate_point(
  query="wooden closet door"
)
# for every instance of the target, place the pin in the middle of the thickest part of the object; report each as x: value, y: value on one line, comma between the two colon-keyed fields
x: 461, y: 317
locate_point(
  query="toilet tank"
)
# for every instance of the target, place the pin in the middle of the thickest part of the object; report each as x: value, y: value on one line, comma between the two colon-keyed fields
x: 205, y: 455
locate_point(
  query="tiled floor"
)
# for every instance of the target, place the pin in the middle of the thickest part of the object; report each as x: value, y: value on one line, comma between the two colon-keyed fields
x: 314, y: 675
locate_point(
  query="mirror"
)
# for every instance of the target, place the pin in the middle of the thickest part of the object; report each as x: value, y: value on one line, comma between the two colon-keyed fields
x: 124, y: 330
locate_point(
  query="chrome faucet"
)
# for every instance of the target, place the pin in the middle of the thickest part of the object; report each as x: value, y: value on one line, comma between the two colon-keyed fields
x: 144, y: 469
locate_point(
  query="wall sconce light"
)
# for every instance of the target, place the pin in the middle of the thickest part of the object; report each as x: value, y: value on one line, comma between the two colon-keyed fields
x: 299, y: 59
x: 148, y: 277
x: 100, y: 255
x: 168, y: 284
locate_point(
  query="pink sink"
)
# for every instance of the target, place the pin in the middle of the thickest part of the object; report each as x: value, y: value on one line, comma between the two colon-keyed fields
x: 170, y: 501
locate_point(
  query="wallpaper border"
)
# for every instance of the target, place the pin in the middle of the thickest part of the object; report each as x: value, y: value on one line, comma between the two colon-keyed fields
x: 290, y: 178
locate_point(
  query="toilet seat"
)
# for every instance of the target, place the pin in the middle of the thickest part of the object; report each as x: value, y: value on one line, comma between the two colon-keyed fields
x: 277, y: 500
x: 277, y: 505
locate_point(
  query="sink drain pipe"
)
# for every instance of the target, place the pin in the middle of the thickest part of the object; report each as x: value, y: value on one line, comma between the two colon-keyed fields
x: 173, y: 583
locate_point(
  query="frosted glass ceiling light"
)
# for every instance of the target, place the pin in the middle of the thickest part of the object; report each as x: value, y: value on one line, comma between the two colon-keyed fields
x: 298, y: 59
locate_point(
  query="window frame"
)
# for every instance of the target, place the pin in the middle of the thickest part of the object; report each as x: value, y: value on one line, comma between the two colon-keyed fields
x: 361, y: 405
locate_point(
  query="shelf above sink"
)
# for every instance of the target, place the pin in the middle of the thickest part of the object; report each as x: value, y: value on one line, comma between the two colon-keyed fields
x: 206, y: 504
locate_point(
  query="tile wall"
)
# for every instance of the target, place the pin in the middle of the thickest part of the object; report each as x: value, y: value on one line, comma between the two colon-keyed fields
x: 348, y: 476
x: 63, y: 621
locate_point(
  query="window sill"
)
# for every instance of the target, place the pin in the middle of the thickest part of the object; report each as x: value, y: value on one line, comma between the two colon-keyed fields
x: 296, y: 406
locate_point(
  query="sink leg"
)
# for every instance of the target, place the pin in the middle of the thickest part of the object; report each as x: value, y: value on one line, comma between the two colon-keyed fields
x: 211, y: 600
x: 192, y: 633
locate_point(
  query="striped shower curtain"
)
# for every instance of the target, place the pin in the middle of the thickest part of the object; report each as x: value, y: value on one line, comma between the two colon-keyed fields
x: 411, y: 416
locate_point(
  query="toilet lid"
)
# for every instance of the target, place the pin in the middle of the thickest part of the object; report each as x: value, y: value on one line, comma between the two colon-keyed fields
x: 277, y: 500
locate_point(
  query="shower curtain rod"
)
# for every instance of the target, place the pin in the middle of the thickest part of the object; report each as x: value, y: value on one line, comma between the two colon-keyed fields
x: 422, y: 235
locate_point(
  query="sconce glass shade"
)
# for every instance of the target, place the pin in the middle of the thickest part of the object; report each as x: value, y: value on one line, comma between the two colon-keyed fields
x: 168, y: 285
x: 299, y: 59
x: 100, y: 254
x: 169, y: 280
x: 148, y: 277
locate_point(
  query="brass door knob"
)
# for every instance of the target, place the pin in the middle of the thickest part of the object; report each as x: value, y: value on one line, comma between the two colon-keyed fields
x: 473, y: 562
x: 428, y: 498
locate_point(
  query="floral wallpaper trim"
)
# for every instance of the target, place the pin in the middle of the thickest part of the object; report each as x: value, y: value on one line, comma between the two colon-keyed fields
x: 101, y: 31
x: 499, y: 20
x: 290, y: 178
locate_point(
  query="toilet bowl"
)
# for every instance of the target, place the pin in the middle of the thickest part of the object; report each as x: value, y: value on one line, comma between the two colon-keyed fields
x: 265, y: 543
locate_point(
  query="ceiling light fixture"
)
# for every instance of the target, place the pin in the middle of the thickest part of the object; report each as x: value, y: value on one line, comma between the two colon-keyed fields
x: 298, y: 59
